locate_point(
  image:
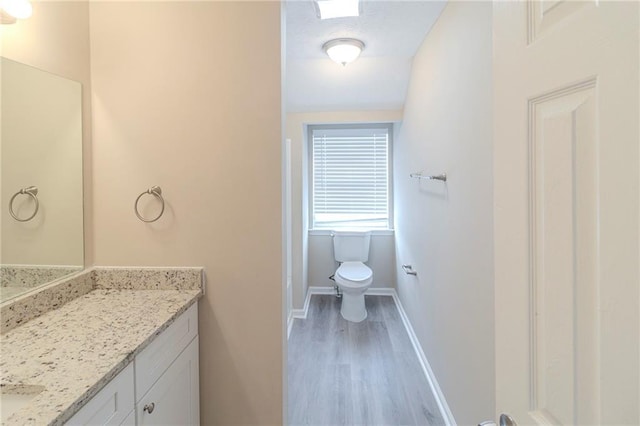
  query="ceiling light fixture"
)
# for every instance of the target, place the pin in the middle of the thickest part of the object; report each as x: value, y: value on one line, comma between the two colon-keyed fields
x: 327, y: 9
x: 10, y: 10
x: 343, y: 50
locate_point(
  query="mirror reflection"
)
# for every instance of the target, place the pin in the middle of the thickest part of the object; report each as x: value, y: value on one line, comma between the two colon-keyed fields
x: 41, y: 232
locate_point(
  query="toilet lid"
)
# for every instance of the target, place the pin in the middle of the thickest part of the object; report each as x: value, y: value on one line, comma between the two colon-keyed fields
x: 354, y: 271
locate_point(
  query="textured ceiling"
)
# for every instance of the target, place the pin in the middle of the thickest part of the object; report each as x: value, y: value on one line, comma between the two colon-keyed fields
x: 392, y: 31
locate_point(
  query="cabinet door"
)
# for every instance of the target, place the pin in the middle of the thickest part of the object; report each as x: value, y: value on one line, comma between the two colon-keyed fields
x: 111, y: 405
x: 175, y: 398
x: 154, y: 360
x: 130, y: 420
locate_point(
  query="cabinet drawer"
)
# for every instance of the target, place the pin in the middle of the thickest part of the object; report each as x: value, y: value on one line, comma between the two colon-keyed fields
x: 156, y: 358
x: 111, y: 405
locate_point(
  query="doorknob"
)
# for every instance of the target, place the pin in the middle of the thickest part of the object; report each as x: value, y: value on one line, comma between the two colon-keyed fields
x: 506, y: 420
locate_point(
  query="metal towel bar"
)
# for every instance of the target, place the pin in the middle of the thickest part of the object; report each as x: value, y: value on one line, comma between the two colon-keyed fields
x: 442, y: 177
x: 408, y: 269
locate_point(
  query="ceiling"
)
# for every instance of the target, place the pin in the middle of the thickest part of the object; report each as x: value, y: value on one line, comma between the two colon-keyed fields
x: 391, y: 30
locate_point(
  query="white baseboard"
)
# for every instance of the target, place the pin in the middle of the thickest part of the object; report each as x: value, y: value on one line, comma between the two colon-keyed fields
x: 302, y: 313
x: 381, y: 291
x: 299, y: 313
x: 371, y: 291
x: 320, y: 290
x: 445, y: 411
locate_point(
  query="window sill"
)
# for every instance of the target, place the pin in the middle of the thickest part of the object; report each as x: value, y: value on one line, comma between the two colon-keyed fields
x: 328, y: 232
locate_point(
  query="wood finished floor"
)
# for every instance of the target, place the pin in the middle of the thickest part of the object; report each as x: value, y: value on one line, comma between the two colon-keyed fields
x: 343, y: 373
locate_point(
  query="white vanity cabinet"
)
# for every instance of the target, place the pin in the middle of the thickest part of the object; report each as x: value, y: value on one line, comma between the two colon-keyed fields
x: 161, y: 385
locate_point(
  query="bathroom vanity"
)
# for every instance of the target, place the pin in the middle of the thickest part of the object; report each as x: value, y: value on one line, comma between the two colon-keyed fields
x: 103, y: 346
x: 125, y: 352
x: 161, y: 383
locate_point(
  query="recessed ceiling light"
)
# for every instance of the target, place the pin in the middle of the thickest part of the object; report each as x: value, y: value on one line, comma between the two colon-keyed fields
x: 343, y: 50
x: 328, y: 9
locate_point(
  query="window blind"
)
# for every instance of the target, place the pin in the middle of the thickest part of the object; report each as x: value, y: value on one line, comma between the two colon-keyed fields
x: 350, y: 178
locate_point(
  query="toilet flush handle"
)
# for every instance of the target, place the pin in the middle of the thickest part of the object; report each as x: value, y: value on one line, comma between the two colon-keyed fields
x: 408, y: 269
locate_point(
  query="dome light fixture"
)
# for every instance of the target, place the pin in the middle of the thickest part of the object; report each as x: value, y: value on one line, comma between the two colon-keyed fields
x: 343, y: 50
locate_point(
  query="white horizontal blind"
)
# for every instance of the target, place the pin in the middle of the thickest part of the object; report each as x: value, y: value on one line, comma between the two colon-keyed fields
x: 350, y: 178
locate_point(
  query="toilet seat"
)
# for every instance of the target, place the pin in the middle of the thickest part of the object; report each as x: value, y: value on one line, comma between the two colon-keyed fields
x: 354, y: 274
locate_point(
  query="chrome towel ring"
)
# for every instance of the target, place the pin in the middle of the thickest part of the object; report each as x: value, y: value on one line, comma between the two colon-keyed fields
x: 30, y: 191
x: 156, y: 191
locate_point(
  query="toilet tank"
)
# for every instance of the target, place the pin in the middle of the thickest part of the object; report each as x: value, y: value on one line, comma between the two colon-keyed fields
x: 351, y: 246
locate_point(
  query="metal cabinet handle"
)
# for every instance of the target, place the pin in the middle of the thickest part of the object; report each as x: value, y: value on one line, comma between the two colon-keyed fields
x: 149, y: 407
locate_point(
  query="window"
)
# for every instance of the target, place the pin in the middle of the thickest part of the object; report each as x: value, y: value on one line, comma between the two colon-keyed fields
x: 350, y: 183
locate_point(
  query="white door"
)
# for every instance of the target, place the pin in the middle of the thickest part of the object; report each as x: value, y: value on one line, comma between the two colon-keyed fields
x: 566, y: 218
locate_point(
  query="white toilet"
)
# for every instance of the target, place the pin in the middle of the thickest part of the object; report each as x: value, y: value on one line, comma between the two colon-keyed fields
x: 353, y: 277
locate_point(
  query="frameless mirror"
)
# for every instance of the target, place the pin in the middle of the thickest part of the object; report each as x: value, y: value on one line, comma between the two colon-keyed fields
x: 41, y: 232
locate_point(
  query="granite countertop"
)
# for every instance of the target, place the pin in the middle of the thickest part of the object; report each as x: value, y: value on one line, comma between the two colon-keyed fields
x: 70, y: 353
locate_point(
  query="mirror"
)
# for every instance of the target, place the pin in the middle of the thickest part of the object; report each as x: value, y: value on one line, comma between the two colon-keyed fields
x: 41, y: 228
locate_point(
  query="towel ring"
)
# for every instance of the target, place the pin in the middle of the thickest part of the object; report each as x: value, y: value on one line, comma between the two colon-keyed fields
x: 156, y: 191
x: 31, y: 191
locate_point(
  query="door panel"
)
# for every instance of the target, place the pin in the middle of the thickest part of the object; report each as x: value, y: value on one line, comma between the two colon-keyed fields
x: 563, y: 192
x: 566, y: 218
x: 544, y: 16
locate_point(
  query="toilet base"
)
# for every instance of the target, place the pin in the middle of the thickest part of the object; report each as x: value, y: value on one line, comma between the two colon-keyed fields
x: 353, y: 308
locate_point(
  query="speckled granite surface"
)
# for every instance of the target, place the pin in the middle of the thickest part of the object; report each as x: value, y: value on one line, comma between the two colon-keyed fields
x: 28, y: 306
x: 25, y: 307
x: 72, y: 352
x: 147, y: 278
x: 33, y: 275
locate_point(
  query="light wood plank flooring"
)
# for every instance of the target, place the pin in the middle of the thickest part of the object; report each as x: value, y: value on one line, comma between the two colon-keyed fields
x: 343, y: 373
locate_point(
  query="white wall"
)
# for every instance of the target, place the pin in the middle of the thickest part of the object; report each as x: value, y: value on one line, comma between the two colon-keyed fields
x: 445, y: 230
x: 302, y: 242
x: 186, y: 95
